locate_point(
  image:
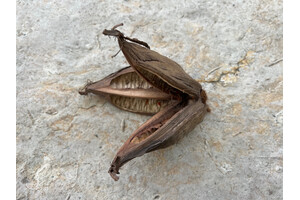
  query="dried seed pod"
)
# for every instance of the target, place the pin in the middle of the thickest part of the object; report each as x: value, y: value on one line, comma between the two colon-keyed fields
x: 162, y: 130
x: 153, y: 84
x: 157, y: 69
x: 128, y: 91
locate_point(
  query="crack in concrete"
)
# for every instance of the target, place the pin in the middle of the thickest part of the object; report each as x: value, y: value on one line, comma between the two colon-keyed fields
x: 275, y: 62
x: 229, y: 71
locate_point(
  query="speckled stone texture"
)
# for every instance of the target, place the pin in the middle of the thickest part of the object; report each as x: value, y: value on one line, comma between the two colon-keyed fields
x: 65, y: 142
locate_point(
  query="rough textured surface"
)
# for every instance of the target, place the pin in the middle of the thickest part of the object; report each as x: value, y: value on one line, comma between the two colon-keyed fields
x: 65, y: 142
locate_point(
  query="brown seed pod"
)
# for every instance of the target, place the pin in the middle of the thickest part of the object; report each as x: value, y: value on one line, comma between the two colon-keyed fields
x: 153, y: 84
x: 128, y: 91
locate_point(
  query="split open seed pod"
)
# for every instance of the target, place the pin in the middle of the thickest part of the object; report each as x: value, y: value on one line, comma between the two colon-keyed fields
x: 153, y: 84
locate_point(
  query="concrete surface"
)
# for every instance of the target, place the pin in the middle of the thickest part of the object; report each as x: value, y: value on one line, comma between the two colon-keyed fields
x: 65, y: 142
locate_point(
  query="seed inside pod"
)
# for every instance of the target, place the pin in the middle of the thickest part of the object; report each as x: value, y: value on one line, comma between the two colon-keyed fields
x: 140, y: 105
x: 129, y: 91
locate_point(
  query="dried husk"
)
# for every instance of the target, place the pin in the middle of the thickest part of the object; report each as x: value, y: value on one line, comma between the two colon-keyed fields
x: 128, y: 91
x: 183, y: 120
x: 181, y: 99
x: 157, y: 69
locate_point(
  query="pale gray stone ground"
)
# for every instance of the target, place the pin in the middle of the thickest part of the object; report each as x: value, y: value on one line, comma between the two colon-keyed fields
x: 65, y: 142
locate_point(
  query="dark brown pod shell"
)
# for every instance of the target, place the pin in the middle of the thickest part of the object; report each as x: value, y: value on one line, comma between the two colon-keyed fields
x: 176, y: 121
x: 153, y: 84
x: 159, y: 70
x: 128, y: 91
